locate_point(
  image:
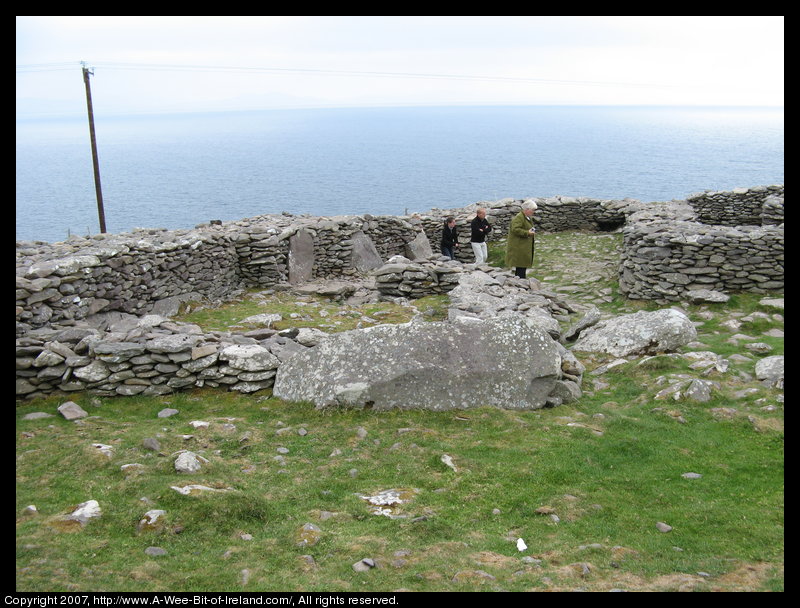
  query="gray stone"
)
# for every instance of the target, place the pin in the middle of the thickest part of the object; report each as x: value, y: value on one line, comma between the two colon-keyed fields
x: 188, y: 462
x: 640, y: 333
x: 419, y: 248
x: 438, y: 366
x: 85, y: 512
x: 262, y: 319
x: 249, y: 357
x: 770, y: 371
x: 699, y: 296
x: 36, y: 416
x: 114, y: 352
x: 364, y: 565
x: 365, y: 256
x: 151, y: 443
x: 94, y: 372
x: 592, y: 317
x: 72, y: 411
x: 301, y: 256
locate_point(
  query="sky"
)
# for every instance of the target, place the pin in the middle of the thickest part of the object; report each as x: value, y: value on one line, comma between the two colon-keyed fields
x: 147, y: 64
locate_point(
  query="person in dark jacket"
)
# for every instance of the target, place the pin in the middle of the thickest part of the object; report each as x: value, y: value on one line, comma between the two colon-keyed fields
x: 480, y: 229
x: 449, y: 238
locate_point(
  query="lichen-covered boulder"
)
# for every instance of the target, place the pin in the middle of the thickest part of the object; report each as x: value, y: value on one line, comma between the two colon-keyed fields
x: 640, y: 333
x: 504, y: 362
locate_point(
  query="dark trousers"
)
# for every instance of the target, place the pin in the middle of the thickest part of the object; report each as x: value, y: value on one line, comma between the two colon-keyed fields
x: 448, y: 251
x: 521, y: 272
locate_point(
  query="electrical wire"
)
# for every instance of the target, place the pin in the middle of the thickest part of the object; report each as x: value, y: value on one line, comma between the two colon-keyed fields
x: 324, y: 72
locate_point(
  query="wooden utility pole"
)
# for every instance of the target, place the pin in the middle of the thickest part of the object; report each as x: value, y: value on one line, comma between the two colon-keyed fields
x: 98, y: 190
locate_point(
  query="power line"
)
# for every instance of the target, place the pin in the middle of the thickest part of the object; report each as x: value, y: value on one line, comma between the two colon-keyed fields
x: 327, y: 72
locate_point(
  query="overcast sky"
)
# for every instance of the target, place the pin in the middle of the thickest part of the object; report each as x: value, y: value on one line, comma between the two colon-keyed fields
x: 165, y: 64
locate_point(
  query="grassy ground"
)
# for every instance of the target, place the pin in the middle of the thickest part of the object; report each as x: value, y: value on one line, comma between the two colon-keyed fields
x: 583, y: 485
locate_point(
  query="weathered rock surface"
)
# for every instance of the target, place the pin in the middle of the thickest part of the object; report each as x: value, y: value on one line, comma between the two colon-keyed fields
x: 770, y: 371
x: 641, y: 333
x: 438, y: 366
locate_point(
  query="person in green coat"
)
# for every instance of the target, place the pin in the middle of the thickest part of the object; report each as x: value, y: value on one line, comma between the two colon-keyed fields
x: 521, y: 244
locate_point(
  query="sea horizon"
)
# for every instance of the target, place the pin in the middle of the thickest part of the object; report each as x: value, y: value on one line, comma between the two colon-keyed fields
x: 179, y: 169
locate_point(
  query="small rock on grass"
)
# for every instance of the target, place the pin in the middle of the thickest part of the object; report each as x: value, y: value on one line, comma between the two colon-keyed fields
x: 364, y: 565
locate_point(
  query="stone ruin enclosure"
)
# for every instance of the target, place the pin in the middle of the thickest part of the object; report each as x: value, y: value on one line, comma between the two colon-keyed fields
x: 92, y: 313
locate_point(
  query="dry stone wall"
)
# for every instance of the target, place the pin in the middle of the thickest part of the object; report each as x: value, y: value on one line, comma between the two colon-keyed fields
x: 128, y: 284
x: 740, y: 207
x: 718, y: 241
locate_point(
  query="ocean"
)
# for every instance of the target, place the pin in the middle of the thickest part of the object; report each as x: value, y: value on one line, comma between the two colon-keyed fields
x: 176, y: 171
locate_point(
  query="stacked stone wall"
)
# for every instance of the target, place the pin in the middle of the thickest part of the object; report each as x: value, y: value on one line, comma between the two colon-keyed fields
x: 667, y: 253
x: 147, y: 355
x: 665, y: 260
x: 740, y: 207
x: 65, y: 282
x: 719, y: 241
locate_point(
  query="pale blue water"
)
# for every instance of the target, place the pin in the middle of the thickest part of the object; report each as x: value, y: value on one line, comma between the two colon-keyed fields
x: 176, y: 171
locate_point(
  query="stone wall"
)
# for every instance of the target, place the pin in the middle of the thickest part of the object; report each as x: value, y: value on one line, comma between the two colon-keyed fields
x: 148, y: 355
x: 676, y: 249
x: 127, y: 273
x: 740, y: 207
x: 403, y: 278
x: 137, y: 277
x: 152, y: 270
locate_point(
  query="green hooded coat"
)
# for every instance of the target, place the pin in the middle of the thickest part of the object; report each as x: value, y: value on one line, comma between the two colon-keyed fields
x: 520, y: 245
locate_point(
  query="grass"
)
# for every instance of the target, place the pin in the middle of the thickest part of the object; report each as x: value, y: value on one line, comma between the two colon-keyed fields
x: 310, y: 311
x: 608, y: 467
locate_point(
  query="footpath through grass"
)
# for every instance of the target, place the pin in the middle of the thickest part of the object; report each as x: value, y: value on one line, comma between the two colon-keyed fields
x: 584, y: 486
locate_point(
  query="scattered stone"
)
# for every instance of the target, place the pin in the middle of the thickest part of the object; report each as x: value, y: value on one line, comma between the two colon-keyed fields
x: 700, y: 296
x: 197, y: 489
x: 691, y: 475
x: 770, y: 371
x: 307, y: 562
x: 37, y: 416
x: 449, y: 462
x: 152, y: 444
x: 760, y: 348
x: 72, y: 411
x: 155, y: 551
x: 662, y: 527
x: 590, y: 318
x: 105, y: 450
x: 85, y: 512
x: 772, y: 302
x: 167, y: 412
x: 388, y: 502
x: 308, y: 535
x: 640, y: 333
x: 189, y: 462
x: 153, y: 521
x: 364, y: 565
